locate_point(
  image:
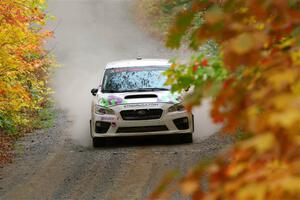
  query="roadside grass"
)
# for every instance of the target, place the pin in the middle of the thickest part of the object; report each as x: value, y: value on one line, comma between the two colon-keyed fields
x: 45, y: 117
x: 41, y: 119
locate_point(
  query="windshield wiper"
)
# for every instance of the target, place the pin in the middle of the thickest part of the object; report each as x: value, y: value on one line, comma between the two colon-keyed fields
x: 155, y: 89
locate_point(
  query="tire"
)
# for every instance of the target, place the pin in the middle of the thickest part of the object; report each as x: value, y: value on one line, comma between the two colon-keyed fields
x: 187, y: 138
x: 91, y: 128
x: 98, y: 142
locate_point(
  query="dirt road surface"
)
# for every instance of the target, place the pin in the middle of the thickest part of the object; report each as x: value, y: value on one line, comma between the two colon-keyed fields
x: 59, y: 163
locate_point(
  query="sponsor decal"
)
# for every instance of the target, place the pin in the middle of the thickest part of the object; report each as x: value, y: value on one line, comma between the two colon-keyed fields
x: 111, y: 100
x: 108, y: 119
x: 141, y: 105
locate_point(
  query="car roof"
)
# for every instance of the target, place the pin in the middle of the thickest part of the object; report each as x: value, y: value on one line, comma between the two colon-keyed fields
x: 138, y: 63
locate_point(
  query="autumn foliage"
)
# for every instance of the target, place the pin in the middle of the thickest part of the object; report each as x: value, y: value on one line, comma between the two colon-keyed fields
x: 24, y: 64
x: 23, y: 60
x: 256, y: 89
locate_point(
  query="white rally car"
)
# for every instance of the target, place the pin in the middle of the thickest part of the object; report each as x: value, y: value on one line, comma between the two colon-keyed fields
x: 133, y: 101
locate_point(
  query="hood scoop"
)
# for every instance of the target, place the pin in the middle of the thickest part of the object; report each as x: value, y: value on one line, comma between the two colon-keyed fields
x: 141, y: 96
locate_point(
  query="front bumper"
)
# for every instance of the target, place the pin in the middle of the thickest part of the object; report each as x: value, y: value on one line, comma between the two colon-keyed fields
x: 179, y: 122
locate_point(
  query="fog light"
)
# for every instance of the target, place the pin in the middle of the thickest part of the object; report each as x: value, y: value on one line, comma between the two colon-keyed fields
x: 184, y: 120
x: 102, y: 127
x: 98, y: 123
x: 182, y: 123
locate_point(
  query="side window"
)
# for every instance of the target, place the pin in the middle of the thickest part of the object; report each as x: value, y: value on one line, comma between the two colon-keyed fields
x: 102, y: 76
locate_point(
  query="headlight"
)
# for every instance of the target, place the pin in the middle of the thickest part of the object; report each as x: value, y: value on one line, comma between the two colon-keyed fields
x: 176, y: 107
x: 103, y: 110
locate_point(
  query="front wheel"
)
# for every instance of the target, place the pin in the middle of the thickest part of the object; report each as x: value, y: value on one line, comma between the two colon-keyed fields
x: 91, y: 128
x: 187, y: 138
x: 98, y: 142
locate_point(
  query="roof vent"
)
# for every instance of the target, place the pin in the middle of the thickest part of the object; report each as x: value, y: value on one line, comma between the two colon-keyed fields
x: 139, y: 58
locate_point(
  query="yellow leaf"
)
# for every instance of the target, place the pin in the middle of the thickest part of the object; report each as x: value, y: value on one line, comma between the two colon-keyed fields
x: 285, y: 118
x: 290, y: 184
x: 252, y: 191
x: 260, y: 143
x: 246, y: 42
x: 189, y: 186
x: 214, y: 15
x: 285, y: 101
x: 296, y: 139
x: 280, y: 80
x: 296, y: 88
x: 237, y: 169
x: 296, y: 57
x: 286, y: 42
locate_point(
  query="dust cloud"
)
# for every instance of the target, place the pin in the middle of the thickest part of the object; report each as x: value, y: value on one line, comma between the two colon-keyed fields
x: 88, y: 34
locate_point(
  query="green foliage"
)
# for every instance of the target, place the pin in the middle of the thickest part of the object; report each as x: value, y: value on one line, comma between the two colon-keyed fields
x: 204, y: 73
x: 173, y: 6
x: 183, y: 22
x: 157, y: 15
x: 241, y: 135
x: 45, y: 116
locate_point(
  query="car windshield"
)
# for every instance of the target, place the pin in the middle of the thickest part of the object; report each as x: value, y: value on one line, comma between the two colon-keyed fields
x: 132, y: 79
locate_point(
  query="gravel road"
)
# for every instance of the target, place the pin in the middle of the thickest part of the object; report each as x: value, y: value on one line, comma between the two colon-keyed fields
x: 59, y: 163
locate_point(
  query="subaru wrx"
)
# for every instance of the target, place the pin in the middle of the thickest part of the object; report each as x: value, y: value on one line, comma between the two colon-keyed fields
x: 133, y: 100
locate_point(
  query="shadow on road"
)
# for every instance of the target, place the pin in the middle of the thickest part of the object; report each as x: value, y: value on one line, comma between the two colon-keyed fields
x: 142, y: 141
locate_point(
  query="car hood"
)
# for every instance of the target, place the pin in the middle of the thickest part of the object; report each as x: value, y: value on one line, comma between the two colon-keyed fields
x: 115, y: 99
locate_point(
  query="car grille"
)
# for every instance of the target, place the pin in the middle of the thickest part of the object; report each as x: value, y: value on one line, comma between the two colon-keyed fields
x: 142, y: 114
x: 142, y: 129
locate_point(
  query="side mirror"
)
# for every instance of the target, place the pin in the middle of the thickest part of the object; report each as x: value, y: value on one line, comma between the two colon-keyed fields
x: 94, y: 91
x: 187, y: 89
